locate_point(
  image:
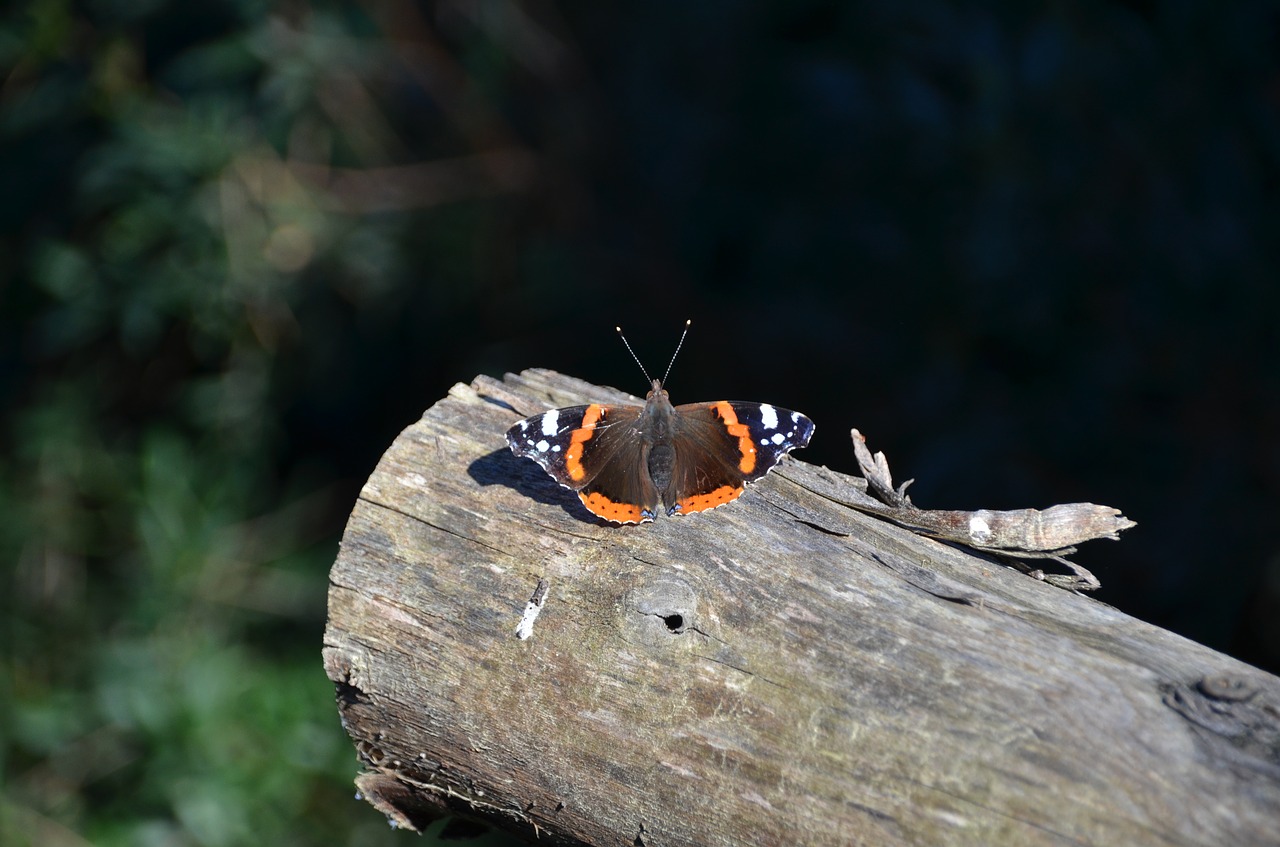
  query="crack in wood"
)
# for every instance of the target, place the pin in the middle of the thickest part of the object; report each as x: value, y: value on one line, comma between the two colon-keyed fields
x: 444, y: 529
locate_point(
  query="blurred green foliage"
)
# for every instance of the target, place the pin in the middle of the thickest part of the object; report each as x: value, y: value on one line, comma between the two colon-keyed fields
x: 164, y: 543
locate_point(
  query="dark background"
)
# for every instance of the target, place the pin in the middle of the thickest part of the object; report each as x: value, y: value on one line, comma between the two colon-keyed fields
x: 1029, y: 249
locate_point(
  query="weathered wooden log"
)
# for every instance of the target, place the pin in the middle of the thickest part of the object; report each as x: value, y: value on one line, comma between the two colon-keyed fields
x: 782, y: 670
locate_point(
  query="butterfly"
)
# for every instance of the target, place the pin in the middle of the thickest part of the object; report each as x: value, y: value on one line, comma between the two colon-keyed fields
x: 628, y: 462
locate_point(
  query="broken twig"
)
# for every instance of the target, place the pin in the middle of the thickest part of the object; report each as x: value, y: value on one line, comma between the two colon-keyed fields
x: 1018, y: 534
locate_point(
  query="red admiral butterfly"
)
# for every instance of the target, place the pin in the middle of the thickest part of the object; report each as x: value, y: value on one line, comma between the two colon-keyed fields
x: 625, y: 461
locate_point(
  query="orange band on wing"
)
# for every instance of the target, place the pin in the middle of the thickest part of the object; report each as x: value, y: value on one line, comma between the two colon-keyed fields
x: 745, y: 445
x: 609, y: 510
x: 702, y: 502
x: 581, y: 435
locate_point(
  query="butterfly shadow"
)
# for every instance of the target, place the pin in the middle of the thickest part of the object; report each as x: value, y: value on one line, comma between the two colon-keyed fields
x: 502, y: 467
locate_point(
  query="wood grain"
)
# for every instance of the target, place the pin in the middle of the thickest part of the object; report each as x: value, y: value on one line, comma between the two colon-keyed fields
x: 782, y: 670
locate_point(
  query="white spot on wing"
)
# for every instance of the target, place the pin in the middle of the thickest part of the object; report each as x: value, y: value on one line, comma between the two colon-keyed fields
x: 768, y: 416
x: 551, y: 423
x: 778, y: 438
x: 543, y: 446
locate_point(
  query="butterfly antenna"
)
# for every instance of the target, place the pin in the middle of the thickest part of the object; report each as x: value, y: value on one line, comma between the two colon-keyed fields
x: 677, y: 353
x: 633, y: 354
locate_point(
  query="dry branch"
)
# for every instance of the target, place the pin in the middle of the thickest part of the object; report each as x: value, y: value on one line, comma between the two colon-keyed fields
x: 784, y: 670
x: 1017, y: 534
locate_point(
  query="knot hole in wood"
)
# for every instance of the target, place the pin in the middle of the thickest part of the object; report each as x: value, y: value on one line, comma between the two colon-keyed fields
x: 658, y: 608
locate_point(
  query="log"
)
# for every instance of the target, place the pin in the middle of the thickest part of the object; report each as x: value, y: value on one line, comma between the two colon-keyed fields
x: 781, y: 670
